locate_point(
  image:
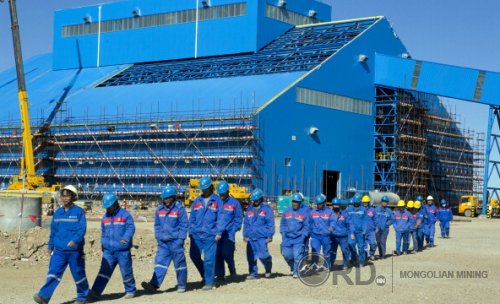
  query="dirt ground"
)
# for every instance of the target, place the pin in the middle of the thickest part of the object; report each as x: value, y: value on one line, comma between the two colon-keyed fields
x: 474, y: 246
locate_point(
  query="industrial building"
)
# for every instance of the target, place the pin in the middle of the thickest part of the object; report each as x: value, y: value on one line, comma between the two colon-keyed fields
x: 263, y: 93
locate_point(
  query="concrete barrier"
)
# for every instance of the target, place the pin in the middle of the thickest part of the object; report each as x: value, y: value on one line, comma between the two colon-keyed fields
x: 22, y: 208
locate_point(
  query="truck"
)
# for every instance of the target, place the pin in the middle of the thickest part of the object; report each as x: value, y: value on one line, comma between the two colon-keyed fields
x: 471, y: 206
x: 240, y: 193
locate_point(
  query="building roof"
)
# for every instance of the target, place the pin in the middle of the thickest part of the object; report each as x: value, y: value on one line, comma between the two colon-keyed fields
x: 224, y: 82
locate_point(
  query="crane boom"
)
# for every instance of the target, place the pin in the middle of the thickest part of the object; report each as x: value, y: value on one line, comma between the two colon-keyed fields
x: 27, y: 177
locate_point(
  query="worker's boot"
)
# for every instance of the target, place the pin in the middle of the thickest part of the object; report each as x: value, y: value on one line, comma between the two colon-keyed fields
x: 148, y: 287
x: 37, y: 298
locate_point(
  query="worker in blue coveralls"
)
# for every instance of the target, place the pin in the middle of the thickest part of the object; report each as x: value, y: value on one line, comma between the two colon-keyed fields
x: 66, y: 242
x: 232, y: 219
x: 401, y: 225
x: 383, y: 221
x: 370, y: 239
x: 117, y: 233
x: 340, y: 233
x: 430, y: 216
x: 421, y: 229
x: 445, y: 216
x: 205, y: 229
x: 415, y: 222
x: 358, y: 226
x: 294, y: 229
x: 321, y: 229
x: 171, y: 228
x: 258, y: 231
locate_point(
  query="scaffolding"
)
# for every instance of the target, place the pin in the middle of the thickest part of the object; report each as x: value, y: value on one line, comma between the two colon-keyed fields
x: 420, y: 150
x: 136, y: 155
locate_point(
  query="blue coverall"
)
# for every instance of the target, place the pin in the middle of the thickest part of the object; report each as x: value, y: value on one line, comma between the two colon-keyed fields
x: 294, y: 228
x: 114, y: 228
x: 67, y: 226
x: 171, y: 227
x: 357, y: 229
x: 205, y: 222
x: 340, y: 237
x: 445, y: 216
x: 370, y: 238
x: 258, y: 229
x: 422, y: 229
x: 414, y: 219
x: 430, y: 212
x: 321, y: 231
x: 401, y: 225
x: 383, y: 221
x: 232, y: 219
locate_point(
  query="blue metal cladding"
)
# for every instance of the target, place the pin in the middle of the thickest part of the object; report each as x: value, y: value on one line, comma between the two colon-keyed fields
x: 165, y: 30
x: 299, y: 49
x: 345, y: 140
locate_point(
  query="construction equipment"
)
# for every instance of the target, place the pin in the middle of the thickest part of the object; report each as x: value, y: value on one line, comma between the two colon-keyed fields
x: 27, y: 178
x: 239, y: 193
x: 470, y: 206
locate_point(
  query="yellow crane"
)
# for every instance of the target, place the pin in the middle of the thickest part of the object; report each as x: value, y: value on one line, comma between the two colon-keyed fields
x: 27, y: 178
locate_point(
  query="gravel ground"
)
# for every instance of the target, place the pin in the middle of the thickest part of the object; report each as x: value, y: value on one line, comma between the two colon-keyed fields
x: 473, y: 246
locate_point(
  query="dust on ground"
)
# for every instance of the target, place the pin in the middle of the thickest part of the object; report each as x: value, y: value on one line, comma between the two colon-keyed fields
x: 474, y: 246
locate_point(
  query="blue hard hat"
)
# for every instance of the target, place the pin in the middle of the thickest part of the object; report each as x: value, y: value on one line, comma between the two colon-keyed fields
x: 336, y: 201
x: 205, y: 183
x: 385, y: 198
x: 356, y: 199
x: 223, y: 187
x: 443, y: 202
x: 351, y: 201
x: 297, y: 197
x: 320, y: 199
x: 419, y: 198
x: 257, y: 194
x: 108, y: 200
x: 168, y: 191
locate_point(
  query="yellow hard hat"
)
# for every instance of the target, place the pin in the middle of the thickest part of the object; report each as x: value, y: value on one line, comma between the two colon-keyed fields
x: 417, y: 204
x: 365, y: 199
x: 410, y: 204
x: 401, y: 203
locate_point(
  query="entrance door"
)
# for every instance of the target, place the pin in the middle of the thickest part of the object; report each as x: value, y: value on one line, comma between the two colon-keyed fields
x: 330, y: 182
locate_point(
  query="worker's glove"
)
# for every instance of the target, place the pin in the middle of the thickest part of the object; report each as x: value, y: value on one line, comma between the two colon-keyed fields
x: 71, y: 244
x: 217, y: 237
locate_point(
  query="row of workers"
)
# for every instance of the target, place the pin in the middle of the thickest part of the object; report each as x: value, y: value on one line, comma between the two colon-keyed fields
x: 212, y: 226
x: 358, y: 228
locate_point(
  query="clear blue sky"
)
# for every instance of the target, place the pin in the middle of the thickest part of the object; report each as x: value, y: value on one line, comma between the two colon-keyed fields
x: 464, y: 33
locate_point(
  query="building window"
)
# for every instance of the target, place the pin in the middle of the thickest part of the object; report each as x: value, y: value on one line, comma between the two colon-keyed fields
x: 124, y: 24
x: 333, y: 101
x: 284, y: 15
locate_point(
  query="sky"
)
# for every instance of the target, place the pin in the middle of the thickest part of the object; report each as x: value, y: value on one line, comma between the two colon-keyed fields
x: 464, y: 33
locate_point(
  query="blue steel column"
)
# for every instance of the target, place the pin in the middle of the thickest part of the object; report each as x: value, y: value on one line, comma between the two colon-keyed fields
x: 487, y: 153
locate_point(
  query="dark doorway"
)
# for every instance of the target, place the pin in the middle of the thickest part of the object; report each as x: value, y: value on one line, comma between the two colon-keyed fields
x: 330, y: 181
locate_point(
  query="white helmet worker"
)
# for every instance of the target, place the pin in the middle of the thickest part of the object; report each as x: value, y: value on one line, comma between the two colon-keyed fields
x: 430, y: 198
x: 71, y: 189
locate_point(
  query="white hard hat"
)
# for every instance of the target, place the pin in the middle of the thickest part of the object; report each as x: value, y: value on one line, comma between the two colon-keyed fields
x: 72, y: 189
x: 430, y: 198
